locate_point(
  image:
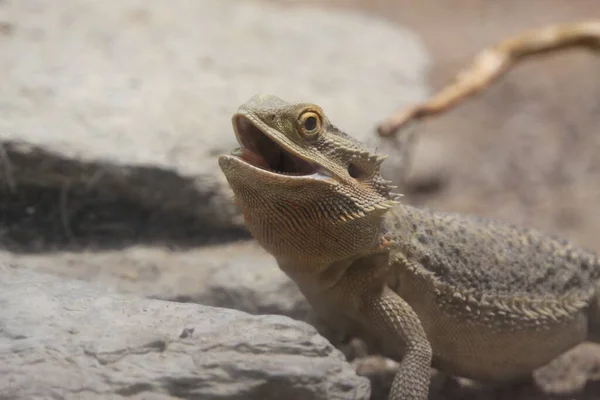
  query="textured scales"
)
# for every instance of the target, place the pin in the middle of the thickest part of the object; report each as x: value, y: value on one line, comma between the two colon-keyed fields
x: 472, y: 297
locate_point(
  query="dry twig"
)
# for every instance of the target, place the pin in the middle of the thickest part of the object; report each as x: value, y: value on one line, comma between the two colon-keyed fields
x: 492, y: 63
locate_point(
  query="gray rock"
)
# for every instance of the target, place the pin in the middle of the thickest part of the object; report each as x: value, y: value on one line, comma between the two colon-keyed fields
x: 241, y: 276
x: 125, y: 105
x: 252, y: 282
x: 69, y: 339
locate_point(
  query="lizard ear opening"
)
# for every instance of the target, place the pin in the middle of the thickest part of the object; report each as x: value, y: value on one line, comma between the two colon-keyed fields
x: 355, y: 171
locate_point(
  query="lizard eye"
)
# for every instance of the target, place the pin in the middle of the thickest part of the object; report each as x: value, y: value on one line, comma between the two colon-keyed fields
x: 310, y: 124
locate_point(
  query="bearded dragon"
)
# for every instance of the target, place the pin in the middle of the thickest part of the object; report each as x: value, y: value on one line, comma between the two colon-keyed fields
x: 469, y: 296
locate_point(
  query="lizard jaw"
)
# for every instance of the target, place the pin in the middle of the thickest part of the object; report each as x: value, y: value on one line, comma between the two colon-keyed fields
x: 260, y: 151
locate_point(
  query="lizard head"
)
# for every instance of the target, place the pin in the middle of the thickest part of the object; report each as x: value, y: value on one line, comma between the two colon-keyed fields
x: 305, y: 188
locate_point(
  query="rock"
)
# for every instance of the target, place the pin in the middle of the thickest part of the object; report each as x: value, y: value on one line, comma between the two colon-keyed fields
x: 241, y: 276
x: 251, y: 282
x: 112, y: 114
x: 575, y: 371
x: 70, y: 339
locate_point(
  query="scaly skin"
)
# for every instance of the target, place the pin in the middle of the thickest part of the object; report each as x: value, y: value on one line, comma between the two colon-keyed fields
x: 471, y: 297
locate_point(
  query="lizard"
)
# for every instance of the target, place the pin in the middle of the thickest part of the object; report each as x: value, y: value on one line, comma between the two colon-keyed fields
x: 470, y: 296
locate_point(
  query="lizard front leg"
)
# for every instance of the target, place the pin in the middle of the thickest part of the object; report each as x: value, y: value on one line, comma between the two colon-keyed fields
x: 381, y: 310
x: 393, y: 318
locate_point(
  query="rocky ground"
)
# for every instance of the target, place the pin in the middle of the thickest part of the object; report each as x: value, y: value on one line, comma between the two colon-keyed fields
x: 111, y: 118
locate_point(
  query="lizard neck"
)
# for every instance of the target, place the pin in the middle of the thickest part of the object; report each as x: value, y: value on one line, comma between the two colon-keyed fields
x: 296, y: 231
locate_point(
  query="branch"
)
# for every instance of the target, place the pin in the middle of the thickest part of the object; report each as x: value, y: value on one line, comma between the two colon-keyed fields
x: 492, y: 63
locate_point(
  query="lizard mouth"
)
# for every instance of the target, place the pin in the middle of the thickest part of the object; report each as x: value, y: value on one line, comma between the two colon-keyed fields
x: 260, y: 151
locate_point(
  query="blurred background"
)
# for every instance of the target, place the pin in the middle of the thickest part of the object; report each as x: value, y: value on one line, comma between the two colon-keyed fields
x: 112, y: 114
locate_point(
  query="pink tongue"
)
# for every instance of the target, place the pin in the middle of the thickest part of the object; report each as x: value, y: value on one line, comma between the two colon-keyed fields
x: 253, y: 158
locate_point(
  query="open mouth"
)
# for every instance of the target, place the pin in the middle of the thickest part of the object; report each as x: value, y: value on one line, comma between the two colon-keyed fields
x: 259, y: 150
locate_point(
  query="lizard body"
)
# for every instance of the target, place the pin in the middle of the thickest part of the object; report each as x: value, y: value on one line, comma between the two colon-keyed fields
x: 470, y: 296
